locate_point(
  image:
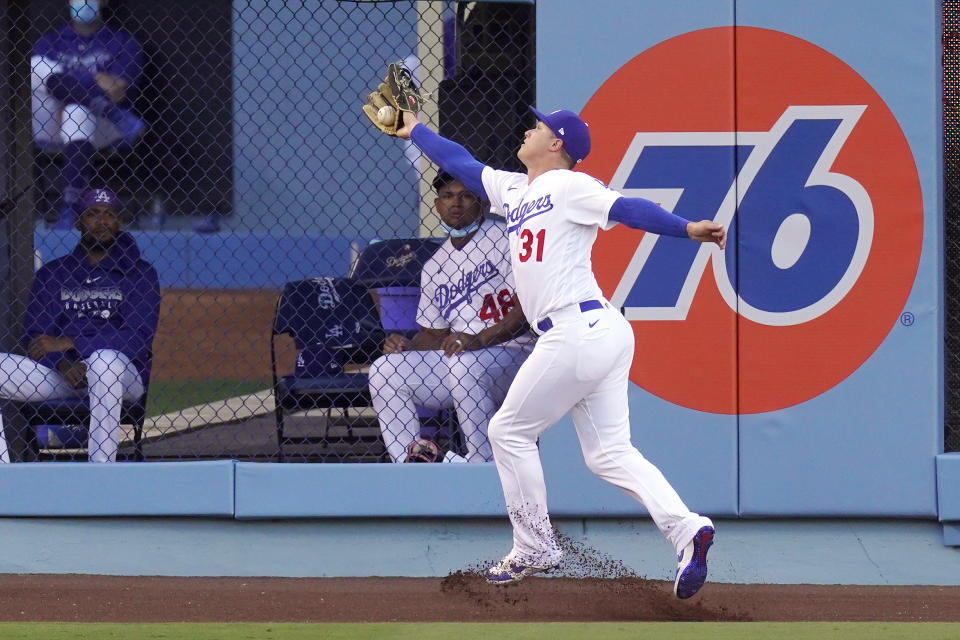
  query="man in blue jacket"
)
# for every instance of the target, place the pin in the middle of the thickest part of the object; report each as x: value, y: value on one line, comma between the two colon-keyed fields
x: 83, y: 78
x: 88, y: 328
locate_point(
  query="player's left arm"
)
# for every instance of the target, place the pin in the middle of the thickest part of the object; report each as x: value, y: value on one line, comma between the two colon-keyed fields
x: 123, y: 71
x: 640, y: 213
x: 513, y: 325
x: 451, y: 156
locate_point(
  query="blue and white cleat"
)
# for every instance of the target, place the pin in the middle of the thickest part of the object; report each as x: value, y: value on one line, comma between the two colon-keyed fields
x: 508, y: 571
x: 692, y: 564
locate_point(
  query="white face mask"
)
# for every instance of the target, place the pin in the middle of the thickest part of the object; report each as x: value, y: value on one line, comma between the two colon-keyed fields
x: 84, y: 11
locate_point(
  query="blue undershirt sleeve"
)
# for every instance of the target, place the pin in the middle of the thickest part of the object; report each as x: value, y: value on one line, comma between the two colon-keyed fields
x: 639, y: 213
x: 452, y: 158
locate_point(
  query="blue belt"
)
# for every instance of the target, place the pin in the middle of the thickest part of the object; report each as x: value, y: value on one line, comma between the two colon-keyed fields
x: 587, y: 305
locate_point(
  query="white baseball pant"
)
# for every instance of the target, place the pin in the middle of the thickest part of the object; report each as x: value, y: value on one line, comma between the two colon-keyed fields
x: 580, y: 365
x: 55, y: 123
x: 111, y: 379
x: 474, y: 383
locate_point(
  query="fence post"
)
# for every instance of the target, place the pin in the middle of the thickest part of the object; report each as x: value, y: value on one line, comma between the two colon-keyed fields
x: 16, y: 230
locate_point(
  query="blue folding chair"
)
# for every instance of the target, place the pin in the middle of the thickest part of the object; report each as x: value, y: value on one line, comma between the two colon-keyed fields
x: 338, y: 321
x: 332, y: 322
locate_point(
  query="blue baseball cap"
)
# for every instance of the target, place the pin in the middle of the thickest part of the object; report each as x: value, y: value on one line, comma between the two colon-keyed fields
x: 568, y: 126
x: 103, y: 197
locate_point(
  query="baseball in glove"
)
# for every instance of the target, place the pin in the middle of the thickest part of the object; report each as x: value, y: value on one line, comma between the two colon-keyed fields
x: 396, y: 94
x: 423, y: 450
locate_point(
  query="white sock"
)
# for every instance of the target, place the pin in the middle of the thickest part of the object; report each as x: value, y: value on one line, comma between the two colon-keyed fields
x: 453, y: 457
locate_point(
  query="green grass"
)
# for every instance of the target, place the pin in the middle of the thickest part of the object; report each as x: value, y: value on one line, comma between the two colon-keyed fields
x: 167, y: 396
x: 470, y: 631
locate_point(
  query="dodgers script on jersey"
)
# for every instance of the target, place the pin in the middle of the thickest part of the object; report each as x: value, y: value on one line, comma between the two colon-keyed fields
x: 471, y: 288
x: 86, y: 301
x: 552, y: 223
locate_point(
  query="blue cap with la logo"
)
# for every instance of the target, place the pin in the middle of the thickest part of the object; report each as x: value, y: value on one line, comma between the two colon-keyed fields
x: 101, y: 197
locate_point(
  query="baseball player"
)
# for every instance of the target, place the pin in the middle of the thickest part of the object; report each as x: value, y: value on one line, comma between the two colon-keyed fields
x: 466, y: 286
x: 582, y: 358
x: 82, y: 75
x: 88, y: 327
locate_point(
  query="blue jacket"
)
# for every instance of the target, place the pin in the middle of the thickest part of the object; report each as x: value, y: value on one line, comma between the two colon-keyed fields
x: 106, y: 50
x: 112, y: 305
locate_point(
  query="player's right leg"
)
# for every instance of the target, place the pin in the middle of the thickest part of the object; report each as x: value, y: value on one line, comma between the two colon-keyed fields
x: 25, y: 380
x: 543, y: 390
x: 399, y: 383
x: 49, y: 117
x: 45, y: 108
x: 77, y: 132
x: 111, y: 379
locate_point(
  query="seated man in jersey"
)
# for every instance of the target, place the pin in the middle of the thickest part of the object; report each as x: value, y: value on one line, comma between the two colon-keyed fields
x: 88, y: 330
x: 466, y: 286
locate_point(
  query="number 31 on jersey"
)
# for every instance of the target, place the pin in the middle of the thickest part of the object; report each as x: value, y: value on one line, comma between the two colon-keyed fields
x: 532, y: 245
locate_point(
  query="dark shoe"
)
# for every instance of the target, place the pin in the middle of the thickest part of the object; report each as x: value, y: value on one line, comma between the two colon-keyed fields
x: 692, y: 564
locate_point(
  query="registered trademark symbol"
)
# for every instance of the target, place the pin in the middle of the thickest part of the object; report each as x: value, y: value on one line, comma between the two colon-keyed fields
x: 906, y: 318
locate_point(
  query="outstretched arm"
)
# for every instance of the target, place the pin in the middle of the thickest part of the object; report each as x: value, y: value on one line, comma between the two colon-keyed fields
x: 639, y: 213
x: 707, y: 231
x: 452, y: 157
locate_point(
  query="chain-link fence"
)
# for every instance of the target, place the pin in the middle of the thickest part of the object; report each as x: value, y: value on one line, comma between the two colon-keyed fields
x: 244, y: 174
x: 208, y: 248
x: 951, y: 217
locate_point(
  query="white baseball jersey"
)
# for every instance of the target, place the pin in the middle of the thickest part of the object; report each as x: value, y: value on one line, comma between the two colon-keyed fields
x: 552, y: 224
x: 469, y: 289
x: 466, y: 290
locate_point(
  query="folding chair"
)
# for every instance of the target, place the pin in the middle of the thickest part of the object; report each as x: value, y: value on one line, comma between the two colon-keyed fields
x: 69, y: 419
x: 380, y: 295
x: 334, y: 322
x: 391, y: 270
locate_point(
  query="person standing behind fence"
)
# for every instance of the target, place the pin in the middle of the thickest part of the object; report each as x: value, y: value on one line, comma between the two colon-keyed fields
x: 88, y: 329
x: 466, y: 285
x: 82, y: 76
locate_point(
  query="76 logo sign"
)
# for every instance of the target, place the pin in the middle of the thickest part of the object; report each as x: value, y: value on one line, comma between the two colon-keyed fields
x: 800, y: 234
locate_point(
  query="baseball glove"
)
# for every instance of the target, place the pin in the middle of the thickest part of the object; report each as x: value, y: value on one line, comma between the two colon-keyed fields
x: 423, y: 450
x: 396, y: 94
